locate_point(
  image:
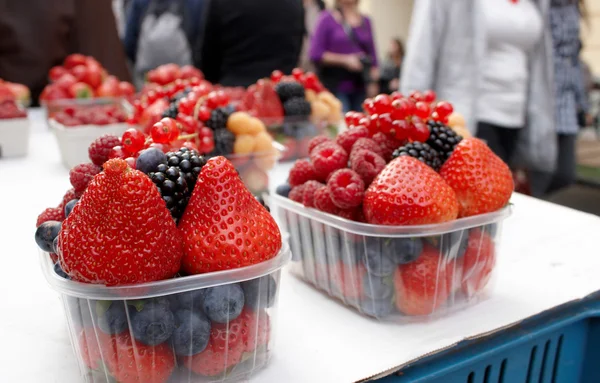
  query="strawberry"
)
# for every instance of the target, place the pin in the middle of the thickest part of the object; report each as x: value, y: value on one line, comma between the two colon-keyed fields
x: 224, y: 226
x: 120, y: 232
x: 481, y: 180
x: 225, y: 348
x: 134, y: 362
x: 423, y: 285
x: 478, y: 262
x: 408, y: 192
x: 91, y: 342
x: 256, y: 329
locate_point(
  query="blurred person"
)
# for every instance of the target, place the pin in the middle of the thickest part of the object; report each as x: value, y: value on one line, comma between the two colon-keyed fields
x: 343, y: 50
x: 245, y: 40
x: 312, y: 10
x: 570, y: 88
x: 390, y: 68
x: 493, y: 61
x: 36, y: 35
x: 160, y: 32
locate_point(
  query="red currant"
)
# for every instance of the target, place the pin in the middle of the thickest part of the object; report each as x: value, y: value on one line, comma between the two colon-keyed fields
x: 212, y: 100
x: 222, y: 98
x: 382, y: 104
x: 117, y: 152
x: 190, y: 145
x: 429, y: 96
x: 364, y: 121
x: 164, y: 131
x: 188, y: 124
x: 310, y: 80
x: 207, y: 145
x: 186, y: 105
x: 385, y: 123
x: 422, y: 109
x: 415, y: 95
x: 444, y: 109
x: 396, y: 96
x: 276, y: 75
x: 133, y: 140
x: 419, y: 132
x: 350, y: 118
x: 202, y: 89
x: 203, y: 114
x: 151, y: 96
x: 400, y: 109
x: 400, y: 129
x: 373, y: 124
x: 298, y: 74
x: 368, y: 106
x: 194, y: 81
x: 179, y: 84
x: 161, y: 147
x: 131, y: 162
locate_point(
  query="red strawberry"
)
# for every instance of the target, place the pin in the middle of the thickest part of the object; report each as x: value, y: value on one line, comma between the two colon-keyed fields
x: 224, y: 226
x: 134, y: 362
x: 120, y: 232
x: 225, y: 348
x: 89, y: 347
x: 408, y: 192
x: 50, y: 214
x: 256, y: 329
x: 481, y: 180
x: 478, y: 262
x: 423, y: 285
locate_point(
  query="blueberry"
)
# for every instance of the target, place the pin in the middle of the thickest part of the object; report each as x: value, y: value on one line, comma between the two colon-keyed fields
x: 283, y: 190
x: 69, y: 206
x: 378, y: 308
x: 192, y: 332
x: 191, y: 300
x: 149, y: 159
x: 403, y: 250
x: 45, y: 234
x: 112, y: 317
x: 153, y: 324
x: 377, y: 287
x: 259, y: 293
x: 224, y: 303
x: 59, y: 271
x: 378, y: 263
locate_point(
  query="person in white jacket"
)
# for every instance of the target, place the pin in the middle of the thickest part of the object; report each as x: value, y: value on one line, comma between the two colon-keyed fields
x: 492, y: 59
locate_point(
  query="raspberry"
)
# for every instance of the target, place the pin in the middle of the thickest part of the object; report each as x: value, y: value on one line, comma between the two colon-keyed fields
x: 349, y: 137
x: 346, y: 187
x: 308, y: 195
x: 324, y: 202
x: 351, y: 214
x: 327, y: 158
x: 367, y: 164
x: 71, y: 194
x: 101, y: 147
x: 81, y: 175
x: 50, y: 214
x: 297, y: 193
x: 366, y: 144
x: 387, y: 144
x: 301, y: 172
x: 316, y: 141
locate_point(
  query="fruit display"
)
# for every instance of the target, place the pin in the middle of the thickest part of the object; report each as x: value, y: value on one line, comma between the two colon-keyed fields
x: 14, y: 124
x: 398, y: 214
x: 83, y: 77
x: 168, y: 73
x: 168, y: 267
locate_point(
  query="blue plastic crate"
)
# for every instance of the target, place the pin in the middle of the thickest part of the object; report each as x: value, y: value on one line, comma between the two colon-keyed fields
x: 559, y: 346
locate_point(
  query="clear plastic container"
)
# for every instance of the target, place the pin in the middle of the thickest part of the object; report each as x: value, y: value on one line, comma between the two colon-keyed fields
x: 159, y: 318
x: 295, y: 133
x: 394, y: 272
x: 254, y: 168
x: 14, y: 137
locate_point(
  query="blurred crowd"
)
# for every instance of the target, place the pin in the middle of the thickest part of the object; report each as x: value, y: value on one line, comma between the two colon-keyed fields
x: 510, y: 67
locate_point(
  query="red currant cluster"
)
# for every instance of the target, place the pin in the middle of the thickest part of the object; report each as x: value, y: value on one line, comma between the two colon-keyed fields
x: 400, y: 117
x: 309, y: 80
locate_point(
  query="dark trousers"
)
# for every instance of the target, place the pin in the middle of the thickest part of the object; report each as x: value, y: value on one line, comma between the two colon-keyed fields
x: 543, y: 183
x: 351, y: 101
x: 502, y: 140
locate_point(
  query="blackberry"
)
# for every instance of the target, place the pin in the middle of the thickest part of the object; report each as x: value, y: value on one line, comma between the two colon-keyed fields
x: 177, y: 177
x: 297, y: 107
x: 218, y: 118
x: 421, y: 152
x: 287, y: 90
x: 224, y: 141
x: 171, y: 111
x: 442, y: 138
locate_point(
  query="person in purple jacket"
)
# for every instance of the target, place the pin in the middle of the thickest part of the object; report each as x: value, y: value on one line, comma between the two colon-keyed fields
x: 343, y: 50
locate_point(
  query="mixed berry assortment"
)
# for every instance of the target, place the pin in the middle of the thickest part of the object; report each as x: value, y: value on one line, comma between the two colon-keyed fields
x: 77, y: 115
x: 83, y: 77
x: 154, y: 216
x: 399, y: 164
x: 12, y: 99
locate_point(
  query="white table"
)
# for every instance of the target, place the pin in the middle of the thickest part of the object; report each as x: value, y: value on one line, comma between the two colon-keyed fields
x: 549, y: 255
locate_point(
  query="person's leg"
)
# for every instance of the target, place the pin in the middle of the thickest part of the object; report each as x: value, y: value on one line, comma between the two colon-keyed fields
x: 491, y: 135
x: 539, y: 182
x: 357, y: 100
x: 508, y: 140
x: 346, y: 101
x: 566, y: 166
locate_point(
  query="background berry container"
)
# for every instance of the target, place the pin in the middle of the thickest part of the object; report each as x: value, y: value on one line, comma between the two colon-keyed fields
x: 14, y: 137
x: 393, y: 272
x: 159, y: 316
x: 254, y: 168
x: 73, y: 141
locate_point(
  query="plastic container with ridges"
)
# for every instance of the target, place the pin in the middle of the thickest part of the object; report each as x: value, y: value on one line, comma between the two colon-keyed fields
x: 250, y: 334
x: 14, y: 137
x: 372, y: 269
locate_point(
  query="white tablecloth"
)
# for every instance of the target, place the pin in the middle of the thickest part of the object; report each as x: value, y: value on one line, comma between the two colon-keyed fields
x: 549, y: 255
